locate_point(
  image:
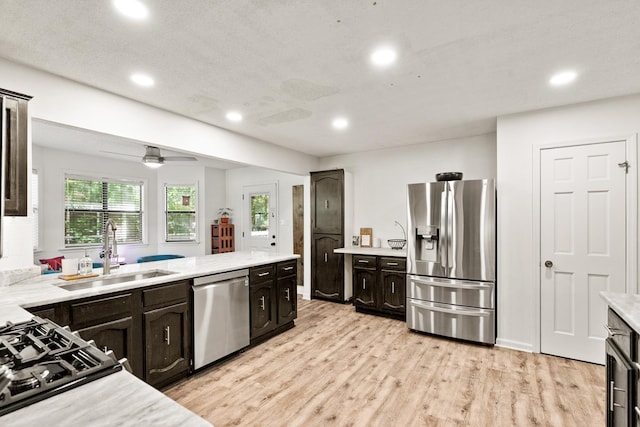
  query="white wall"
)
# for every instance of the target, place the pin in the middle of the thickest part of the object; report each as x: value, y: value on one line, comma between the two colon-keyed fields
x: 53, y: 164
x: 238, y: 178
x: 59, y: 100
x: 215, y: 194
x: 517, y: 137
x: 380, y: 177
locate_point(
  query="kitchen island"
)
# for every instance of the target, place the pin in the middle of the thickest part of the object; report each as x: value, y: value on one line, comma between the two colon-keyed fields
x: 120, y: 398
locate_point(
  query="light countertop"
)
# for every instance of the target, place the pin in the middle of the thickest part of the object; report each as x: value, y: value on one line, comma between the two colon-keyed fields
x: 120, y: 398
x: 402, y: 253
x: 626, y: 306
x: 43, y: 290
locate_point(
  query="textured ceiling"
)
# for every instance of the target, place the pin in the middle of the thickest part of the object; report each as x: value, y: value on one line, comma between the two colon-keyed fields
x: 292, y: 66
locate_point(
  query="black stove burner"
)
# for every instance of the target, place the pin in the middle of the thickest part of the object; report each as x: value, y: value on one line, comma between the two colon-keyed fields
x: 45, y: 359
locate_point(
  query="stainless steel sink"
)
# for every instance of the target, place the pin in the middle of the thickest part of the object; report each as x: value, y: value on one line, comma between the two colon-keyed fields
x: 113, y: 280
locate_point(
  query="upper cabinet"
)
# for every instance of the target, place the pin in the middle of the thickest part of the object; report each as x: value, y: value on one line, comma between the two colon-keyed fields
x: 14, y: 151
x: 327, y: 198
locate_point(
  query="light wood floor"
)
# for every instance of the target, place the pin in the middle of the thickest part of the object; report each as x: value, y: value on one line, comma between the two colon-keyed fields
x: 341, y: 368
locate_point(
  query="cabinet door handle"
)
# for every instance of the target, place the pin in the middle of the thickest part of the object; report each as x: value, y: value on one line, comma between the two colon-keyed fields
x: 287, y: 296
x: 266, y: 273
x: 262, y: 302
x: 167, y: 335
x: 363, y: 261
x: 637, y: 411
x: 325, y: 257
x: 393, y: 287
x: 288, y: 268
x: 326, y: 203
x: 364, y: 283
x: 392, y: 264
x: 613, y: 331
x: 105, y: 349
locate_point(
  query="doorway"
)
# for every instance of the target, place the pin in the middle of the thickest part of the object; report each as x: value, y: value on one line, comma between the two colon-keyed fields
x: 260, y: 217
x: 584, y: 242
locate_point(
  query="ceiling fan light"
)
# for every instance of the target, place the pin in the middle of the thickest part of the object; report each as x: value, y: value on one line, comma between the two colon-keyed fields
x: 152, y: 162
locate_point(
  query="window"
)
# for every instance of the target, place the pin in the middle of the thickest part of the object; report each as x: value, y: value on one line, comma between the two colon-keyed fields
x: 180, y: 209
x: 34, y: 209
x: 260, y: 214
x: 90, y: 202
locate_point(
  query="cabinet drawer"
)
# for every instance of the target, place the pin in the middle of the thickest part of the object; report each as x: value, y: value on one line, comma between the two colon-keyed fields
x: 100, y: 310
x: 262, y: 274
x: 391, y: 263
x: 287, y: 268
x: 621, y: 334
x: 364, y: 261
x: 172, y: 293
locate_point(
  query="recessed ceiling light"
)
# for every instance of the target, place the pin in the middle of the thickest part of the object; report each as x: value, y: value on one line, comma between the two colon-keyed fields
x: 133, y: 9
x: 142, y: 80
x: 340, y: 123
x: 383, y: 57
x: 563, y: 78
x: 234, y: 116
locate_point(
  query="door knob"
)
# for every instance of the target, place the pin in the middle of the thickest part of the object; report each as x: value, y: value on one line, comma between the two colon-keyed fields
x: 548, y: 264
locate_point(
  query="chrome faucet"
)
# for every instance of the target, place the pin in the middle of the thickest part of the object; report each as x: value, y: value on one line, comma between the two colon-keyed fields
x: 109, y: 252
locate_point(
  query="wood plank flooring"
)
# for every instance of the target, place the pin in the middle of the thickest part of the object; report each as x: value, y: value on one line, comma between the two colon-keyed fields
x: 342, y: 368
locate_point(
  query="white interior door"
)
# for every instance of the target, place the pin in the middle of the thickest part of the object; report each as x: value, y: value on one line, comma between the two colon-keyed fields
x: 582, y: 245
x: 260, y: 217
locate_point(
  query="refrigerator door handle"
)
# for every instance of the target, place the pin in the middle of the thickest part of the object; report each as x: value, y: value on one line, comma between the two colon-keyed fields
x: 459, y: 284
x: 450, y: 236
x: 442, y: 242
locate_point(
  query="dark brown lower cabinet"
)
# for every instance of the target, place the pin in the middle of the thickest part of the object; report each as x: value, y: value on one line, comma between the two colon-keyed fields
x: 150, y: 327
x: 116, y: 335
x: 379, y: 285
x: 272, y: 299
x: 287, y: 299
x: 166, y: 344
x: 263, y: 315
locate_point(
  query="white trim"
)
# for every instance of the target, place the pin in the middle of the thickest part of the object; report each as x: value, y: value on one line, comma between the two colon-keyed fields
x: 515, y: 345
x: 631, y: 148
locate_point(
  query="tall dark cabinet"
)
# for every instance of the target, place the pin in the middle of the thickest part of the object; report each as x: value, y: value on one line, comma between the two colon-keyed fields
x: 14, y: 120
x: 327, y: 228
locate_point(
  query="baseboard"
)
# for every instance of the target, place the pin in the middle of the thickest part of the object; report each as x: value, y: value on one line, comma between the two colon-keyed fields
x: 514, y: 345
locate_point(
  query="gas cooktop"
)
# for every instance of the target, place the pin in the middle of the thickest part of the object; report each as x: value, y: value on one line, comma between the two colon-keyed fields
x: 39, y: 359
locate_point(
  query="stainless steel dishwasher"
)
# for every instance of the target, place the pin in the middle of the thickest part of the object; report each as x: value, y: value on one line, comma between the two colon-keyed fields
x: 220, y: 315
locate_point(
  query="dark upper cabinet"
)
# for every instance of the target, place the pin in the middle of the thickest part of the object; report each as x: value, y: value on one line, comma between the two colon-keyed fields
x: 327, y: 197
x: 327, y: 280
x: 14, y: 146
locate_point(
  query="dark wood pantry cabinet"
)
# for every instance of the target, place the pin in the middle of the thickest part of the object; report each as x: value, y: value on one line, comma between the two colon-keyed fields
x: 327, y: 228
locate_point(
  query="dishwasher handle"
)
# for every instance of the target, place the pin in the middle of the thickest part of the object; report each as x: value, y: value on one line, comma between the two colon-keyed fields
x: 222, y: 277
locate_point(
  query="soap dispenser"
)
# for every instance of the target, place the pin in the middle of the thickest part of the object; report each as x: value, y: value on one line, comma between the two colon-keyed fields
x: 86, y: 264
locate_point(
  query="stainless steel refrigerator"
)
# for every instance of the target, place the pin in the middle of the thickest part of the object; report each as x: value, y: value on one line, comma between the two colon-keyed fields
x: 451, y: 259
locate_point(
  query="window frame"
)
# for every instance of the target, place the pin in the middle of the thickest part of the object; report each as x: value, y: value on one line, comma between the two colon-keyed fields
x: 99, y: 178
x: 195, y: 212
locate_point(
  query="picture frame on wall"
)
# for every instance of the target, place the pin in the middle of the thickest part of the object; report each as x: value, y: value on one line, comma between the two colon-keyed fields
x: 366, y: 237
x: 355, y: 241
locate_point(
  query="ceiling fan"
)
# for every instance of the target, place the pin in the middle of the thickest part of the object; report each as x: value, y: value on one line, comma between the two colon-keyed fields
x: 153, y: 159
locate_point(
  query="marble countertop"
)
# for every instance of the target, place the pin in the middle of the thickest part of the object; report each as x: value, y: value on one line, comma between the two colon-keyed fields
x: 45, y: 289
x: 402, y: 253
x: 118, y: 399
x: 626, y: 305
x: 121, y: 398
